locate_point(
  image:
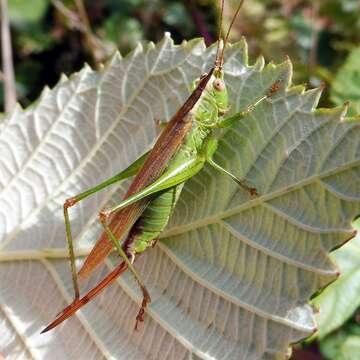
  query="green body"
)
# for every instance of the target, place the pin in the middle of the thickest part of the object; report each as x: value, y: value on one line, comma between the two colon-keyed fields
x: 205, y: 117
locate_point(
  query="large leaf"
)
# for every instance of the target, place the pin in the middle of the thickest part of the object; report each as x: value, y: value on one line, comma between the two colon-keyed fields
x: 232, y: 275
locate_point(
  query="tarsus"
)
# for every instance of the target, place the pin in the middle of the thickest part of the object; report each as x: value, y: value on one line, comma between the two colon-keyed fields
x: 77, y: 304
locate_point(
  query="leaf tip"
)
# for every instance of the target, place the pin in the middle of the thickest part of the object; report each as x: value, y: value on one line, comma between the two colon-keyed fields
x: 46, y: 90
x: 344, y: 110
x: 165, y: 40
x: 352, y: 236
x: 117, y: 55
x: 311, y: 98
x: 138, y: 49
x: 87, y: 67
x: 63, y: 78
x: 259, y: 63
x: 115, y: 59
x: 287, y: 61
x: 17, y: 108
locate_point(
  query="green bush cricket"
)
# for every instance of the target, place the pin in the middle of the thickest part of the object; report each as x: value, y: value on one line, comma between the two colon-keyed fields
x: 180, y: 152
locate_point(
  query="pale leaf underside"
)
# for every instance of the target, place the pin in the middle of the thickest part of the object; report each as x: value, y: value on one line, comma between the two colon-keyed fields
x: 232, y: 275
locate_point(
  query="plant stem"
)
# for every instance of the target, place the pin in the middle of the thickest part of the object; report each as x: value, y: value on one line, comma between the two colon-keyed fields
x: 90, y: 39
x: 7, y: 60
x: 314, y: 39
x: 81, y: 22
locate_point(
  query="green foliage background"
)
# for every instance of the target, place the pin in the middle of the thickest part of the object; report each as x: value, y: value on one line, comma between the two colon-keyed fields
x: 322, y: 38
x: 317, y: 35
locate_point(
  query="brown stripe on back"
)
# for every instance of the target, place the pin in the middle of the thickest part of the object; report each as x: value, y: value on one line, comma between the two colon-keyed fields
x: 165, y: 147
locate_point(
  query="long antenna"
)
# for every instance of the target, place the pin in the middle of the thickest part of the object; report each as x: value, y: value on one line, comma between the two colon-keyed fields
x: 228, y: 32
x: 217, y: 62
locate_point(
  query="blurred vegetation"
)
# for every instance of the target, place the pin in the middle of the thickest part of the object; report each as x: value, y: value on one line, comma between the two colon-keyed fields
x: 322, y: 38
x: 50, y: 36
x: 317, y: 35
x: 346, y: 83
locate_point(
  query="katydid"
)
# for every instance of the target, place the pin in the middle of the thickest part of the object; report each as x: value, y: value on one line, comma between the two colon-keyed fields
x: 181, y: 151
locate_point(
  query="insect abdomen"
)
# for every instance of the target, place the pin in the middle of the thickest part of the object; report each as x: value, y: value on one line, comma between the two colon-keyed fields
x: 153, y: 220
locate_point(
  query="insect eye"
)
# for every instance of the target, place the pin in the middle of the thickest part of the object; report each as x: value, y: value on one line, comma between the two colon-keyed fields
x: 219, y: 85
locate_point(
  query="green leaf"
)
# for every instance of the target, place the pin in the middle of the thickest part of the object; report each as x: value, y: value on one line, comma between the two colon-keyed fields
x: 344, y: 345
x: 340, y: 299
x: 126, y: 32
x: 346, y: 85
x: 232, y: 275
x: 24, y: 13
